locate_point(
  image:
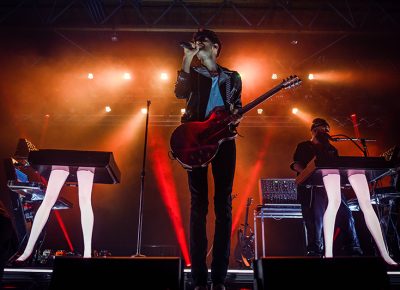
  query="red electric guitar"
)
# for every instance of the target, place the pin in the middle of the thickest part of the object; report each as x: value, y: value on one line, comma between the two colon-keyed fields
x: 195, y: 144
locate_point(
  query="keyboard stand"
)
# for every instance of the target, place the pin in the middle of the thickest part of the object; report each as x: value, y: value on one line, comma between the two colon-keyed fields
x: 274, y: 211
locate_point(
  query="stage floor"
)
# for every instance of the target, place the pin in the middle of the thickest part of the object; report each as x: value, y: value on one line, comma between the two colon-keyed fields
x: 38, y: 278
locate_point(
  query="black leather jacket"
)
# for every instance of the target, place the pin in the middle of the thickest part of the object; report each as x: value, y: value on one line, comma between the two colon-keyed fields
x: 195, y: 88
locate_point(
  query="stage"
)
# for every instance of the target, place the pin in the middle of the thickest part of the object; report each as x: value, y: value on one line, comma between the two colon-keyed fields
x: 40, y: 278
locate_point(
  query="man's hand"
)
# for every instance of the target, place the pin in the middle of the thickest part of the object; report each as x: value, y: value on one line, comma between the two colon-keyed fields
x: 188, y: 56
x: 236, y: 117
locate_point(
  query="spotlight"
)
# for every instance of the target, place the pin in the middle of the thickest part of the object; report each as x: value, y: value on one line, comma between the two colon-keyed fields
x: 90, y: 76
x: 126, y: 76
x: 310, y: 76
x: 164, y: 76
x: 114, y: 37
x: 295, y: 110
x: 259, y: 111
x: 108, y: 109
x: 274, y: 76
x: 143, y: 110
x: 183, y: 111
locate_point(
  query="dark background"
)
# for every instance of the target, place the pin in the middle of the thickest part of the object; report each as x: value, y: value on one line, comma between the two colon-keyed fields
x: 47, y: 50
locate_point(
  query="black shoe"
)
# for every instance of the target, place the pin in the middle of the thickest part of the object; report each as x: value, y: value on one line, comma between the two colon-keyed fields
x: 354, y: 252
x: 313, y: 254
x: 218, y: 286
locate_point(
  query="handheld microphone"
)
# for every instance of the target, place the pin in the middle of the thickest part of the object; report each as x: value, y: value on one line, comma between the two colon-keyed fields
x: 186, y: 44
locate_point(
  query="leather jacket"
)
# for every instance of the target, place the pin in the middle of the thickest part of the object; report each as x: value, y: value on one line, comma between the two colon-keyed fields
x: 195, y: 88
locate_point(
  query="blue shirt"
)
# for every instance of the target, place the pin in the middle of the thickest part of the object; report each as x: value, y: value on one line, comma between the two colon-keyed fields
x: 215, y: 99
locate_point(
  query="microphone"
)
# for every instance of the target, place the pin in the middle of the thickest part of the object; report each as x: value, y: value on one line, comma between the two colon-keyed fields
x: 186, y: 44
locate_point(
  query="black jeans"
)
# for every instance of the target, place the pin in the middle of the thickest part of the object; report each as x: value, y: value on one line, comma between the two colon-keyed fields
x: 313, y: 203
x: 223, y: 170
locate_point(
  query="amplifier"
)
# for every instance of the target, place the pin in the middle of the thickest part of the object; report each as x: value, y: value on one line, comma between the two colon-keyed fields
x: 278, y: 190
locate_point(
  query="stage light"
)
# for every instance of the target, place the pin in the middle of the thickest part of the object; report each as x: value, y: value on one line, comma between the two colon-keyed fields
x: 108, y: 109
x: 274, y: 76
x: 295, y: 110
x: 183, y: 111
x: 47, y: 116
x: 143, y: 110
x: 90, y: 76
x: 114, y: 37
x: 126, y: 76
x: 310, y: 76
x: 259, y: 111
x: 164, y: 76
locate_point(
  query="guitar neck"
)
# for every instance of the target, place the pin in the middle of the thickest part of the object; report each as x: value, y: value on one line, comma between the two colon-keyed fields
x: 260, y: 99
x: 246, y: 221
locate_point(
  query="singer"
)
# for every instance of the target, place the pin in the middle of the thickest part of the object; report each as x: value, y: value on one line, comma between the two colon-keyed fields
x: 205, y: 88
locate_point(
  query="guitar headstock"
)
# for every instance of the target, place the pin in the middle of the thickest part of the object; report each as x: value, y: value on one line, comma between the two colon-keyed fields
x: 291, y: 82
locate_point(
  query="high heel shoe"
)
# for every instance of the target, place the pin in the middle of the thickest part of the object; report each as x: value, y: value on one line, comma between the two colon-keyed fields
x: 15, y: 263
x: 393, y: 267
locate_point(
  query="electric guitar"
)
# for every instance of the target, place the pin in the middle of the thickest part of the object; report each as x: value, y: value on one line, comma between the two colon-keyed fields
x: 195, y: 144
x: 244, y: 252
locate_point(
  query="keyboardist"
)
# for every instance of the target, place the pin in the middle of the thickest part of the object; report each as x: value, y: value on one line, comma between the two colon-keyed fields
x: 332, y: 184
x: 313, y: 200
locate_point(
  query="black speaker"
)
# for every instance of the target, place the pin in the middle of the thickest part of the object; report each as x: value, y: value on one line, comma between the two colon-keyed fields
x: 319, y: 273
x: 117, y: 273
x: 279, y: 237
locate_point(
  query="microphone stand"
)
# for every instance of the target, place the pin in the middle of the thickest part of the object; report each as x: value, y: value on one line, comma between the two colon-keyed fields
x: 363, y: 142
x: 140, y: 224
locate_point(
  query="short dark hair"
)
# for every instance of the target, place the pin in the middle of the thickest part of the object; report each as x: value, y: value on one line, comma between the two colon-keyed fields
x: 211, y: 35
x: 319, y: 122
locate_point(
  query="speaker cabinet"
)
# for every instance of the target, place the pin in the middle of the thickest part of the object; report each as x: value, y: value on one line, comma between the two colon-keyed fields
x: 281, y: 237
x: 317, y: 273
x: 117, y: 273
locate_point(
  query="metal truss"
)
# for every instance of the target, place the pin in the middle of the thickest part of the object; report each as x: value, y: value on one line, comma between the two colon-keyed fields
x: 254, y: 16
x: 250, y: 121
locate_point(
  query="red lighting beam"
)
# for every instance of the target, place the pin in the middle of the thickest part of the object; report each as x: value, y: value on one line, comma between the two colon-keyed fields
x: 355, y: 125
x: 165, y: 182
x: 251, y: 183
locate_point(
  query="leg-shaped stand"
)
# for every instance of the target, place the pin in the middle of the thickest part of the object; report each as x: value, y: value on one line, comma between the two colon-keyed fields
x: 56, y: 181
x: 359, y: 184
x: 332, y: 186
x: 85, y: 185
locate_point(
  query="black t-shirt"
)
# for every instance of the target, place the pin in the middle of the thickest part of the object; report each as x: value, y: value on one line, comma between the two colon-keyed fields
x: 307, y: 150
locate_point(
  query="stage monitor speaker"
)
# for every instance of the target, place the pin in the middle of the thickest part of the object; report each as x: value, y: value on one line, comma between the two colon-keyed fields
x: 279, y: 236
x: 318, y: 273
x: 160, y: 273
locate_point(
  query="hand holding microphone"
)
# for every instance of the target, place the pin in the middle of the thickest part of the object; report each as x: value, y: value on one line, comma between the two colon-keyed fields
x: 191, y: 46
x: 187, y: 45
